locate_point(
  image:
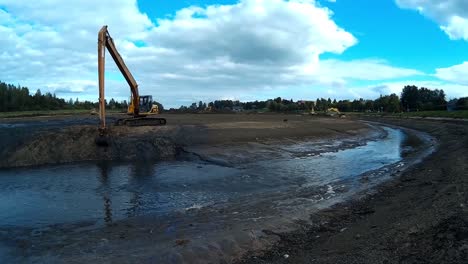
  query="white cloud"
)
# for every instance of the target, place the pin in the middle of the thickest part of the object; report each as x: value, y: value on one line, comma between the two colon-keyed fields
x: 44, y: 44
x: 451, y: 15
x: 254, y: 48
x: 455, y: 74
x: 452, y: 90
x: 365, y: 69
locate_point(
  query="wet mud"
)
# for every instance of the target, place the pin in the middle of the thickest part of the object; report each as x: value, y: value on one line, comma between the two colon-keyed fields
x: 64, y: 140
x: 294, y: 209
x: 202, y: 212
x: 77, y: 144
x: 419, y: 217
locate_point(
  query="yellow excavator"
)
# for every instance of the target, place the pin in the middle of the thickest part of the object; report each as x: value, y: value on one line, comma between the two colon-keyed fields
x: 140, y: 106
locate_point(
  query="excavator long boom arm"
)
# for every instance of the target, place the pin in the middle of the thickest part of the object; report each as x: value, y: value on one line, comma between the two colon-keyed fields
x: 105, y: 41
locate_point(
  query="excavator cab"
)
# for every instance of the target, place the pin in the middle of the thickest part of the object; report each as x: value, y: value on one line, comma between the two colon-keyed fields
x: 146, y: 103
x: 146, y: 106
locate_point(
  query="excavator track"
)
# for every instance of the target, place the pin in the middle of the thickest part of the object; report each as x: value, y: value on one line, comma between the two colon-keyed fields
x: 141, y: 121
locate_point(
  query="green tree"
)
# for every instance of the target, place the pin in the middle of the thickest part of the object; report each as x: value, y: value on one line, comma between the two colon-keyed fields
x: 410, y: 97
x: 462, y: 104
x: 393, y: 104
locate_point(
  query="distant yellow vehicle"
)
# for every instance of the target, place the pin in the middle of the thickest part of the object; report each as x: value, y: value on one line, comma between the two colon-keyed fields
x: 333, y: 110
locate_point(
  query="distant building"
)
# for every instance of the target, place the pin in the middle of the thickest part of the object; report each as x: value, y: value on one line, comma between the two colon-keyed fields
x: 299, y: 102
x: 237, y: 109
x: 452, y: 105
x: 308, y: 105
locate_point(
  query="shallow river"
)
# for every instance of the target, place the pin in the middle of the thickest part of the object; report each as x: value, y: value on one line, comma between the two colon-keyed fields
x: 106, y: 192
x: 214, y: 207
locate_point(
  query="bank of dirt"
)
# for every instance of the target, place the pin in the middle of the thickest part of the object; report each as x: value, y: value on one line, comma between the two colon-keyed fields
x: 67, y: 141
x: 421, y: 217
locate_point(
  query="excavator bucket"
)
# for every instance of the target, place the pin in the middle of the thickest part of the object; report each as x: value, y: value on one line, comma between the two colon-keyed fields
x: 102, y: 139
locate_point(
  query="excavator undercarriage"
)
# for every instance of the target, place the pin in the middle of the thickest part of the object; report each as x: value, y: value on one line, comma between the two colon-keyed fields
x: 141, y: 121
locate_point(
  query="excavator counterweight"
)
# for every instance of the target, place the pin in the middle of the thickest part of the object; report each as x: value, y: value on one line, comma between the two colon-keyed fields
x: 138, y: 118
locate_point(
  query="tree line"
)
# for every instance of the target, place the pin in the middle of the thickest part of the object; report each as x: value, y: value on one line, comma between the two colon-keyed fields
x: 412, y: 98
x: 390, y: 103
x: 422, y: 99
x: 459, y: 104
x: 17, y: 98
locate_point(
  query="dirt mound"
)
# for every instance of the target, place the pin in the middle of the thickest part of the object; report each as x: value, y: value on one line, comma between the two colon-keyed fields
x: 78, y: 144
x: 67, y: 139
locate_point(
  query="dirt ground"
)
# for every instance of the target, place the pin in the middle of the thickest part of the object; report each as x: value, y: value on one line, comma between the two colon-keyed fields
x: 194, y: 129
x: 54, y: 140
x: 420, y: 218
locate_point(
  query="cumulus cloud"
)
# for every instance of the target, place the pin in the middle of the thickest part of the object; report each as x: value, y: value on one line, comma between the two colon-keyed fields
x: 456, y: 74
x: 253, y: 47
x: 364, y: 69
x: 452, y: 90
x: 451, y: 15
x: 48, y: 43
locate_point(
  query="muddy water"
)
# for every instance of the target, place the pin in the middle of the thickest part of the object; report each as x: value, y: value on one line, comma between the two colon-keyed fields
x: 107, y: 192
x: 99, y: 194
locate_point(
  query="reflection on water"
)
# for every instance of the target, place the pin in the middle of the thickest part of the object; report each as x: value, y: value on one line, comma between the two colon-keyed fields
x: 104, y: 179
x: 139, y: 173
x: 105, y: 192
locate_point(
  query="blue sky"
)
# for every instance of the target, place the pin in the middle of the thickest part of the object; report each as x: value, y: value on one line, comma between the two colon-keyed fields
x: 162, y: 8
x: 186, y: 51
x: 402, y: 37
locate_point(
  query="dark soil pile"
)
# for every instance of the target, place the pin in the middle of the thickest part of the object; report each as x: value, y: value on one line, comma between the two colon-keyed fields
x: 78, y: 144
x: 61, y: 140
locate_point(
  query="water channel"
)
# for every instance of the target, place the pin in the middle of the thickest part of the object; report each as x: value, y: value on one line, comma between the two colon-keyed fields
x: 103, y: 193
